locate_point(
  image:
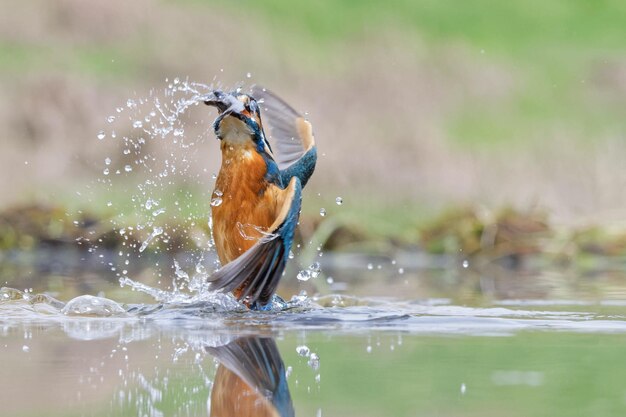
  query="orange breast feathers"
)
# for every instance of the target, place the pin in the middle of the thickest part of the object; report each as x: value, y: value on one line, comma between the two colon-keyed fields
x: 249, y: 203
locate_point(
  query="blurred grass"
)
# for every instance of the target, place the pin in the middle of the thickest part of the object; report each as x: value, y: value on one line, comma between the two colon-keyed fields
x: 489, y: 84
x: 107, y: 62
x: 553, y: 47
x: 511, y: 28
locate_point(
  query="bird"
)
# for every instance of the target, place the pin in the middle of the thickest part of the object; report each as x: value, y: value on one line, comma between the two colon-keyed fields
x: 251, y: 379
x: 258, y: 191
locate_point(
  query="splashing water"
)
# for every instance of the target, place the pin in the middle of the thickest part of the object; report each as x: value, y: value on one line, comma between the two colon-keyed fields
x: 158, y: 231
x: 155, y: 151
x: 158, y: 140
x: 313, y: 271
x: 87, y: 305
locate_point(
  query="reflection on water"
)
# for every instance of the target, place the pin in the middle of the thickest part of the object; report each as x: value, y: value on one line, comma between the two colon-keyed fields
x: 250, y: 380
x: 142, y: 367
x: 514, y: 346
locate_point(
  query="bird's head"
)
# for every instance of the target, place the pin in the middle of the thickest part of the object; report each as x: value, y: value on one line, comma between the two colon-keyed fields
x: 239, y: 117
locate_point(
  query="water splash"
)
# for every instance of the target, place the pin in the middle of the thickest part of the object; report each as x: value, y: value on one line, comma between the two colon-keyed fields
x: 253, y: 232
x: 88, y: 305
x: 313, y: 271
x: 158, y: 152
x: 157, y: 144
x: 158, y: 231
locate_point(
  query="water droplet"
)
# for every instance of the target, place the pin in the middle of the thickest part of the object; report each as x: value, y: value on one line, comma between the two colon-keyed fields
x: 339, y: 201
x: 106, y: 171
x: 304, y: 275
x: 178, y: 132
x: 101, y: 135
x: 130, y: 103
x: 248, y: 75
x: 314, y: 361
x: 137, y: 124
x: 400, y: 271
x: 128, y: 168
x: 330, y: 280
x: 111, y: 119
x: 176, y: 80
x: 216, y: 201
x: 368, y: 349
x: 465, y: 263
x: 25, y: 348
x: 156, y: 232
x: 303, y: 350
x: 370, y: 266
x: 323, y: 212
x: 463, y: 388
x: 312, y: 271
x: 180, y: 274
x: 315, y: 269
x: 109, y: 204
x: 107, y: 161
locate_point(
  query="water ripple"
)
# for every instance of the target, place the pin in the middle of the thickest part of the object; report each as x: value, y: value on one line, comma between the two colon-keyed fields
x: 88, y: 317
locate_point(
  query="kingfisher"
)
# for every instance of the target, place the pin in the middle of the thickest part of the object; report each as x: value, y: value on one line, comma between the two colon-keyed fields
x: 251, y: 380
x: 258, y: 192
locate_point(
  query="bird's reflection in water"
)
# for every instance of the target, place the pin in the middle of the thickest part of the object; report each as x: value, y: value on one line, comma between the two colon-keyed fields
x: 250, y: 380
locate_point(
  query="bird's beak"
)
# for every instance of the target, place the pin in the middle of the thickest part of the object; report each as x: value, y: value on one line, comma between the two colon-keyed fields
x: 218, y: 99
x: 227, y: 105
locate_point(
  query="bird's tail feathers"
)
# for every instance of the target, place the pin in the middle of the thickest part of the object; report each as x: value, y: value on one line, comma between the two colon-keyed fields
x: 256, y: 272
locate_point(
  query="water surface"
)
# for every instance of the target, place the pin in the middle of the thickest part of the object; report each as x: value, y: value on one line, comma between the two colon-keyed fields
x: 437, y: 350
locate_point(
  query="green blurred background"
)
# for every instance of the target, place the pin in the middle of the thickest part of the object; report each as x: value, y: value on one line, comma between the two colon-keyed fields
x: 417, y: 105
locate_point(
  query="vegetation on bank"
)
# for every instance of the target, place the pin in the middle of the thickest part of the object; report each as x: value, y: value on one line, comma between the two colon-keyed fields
x: 508, y: 98
x: 506, y: 236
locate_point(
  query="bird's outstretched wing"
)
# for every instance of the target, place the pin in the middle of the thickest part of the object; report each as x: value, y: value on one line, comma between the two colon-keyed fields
x: 290, y: 136
x: 255, y: 274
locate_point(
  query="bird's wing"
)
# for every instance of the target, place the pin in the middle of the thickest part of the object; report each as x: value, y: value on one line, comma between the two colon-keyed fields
x: 258, y: 270
x: 257, y: 361
x: 290, y: 135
